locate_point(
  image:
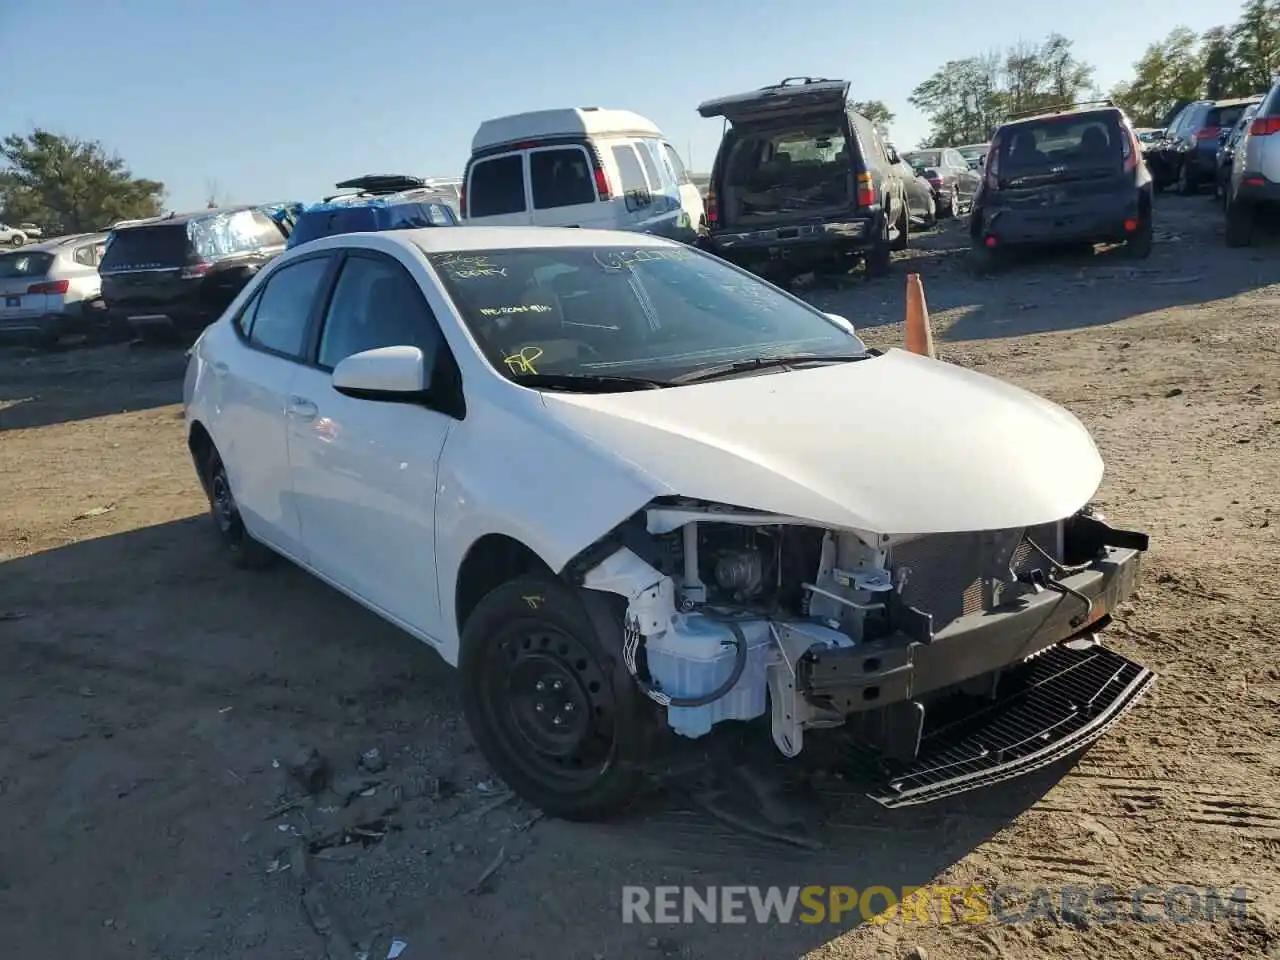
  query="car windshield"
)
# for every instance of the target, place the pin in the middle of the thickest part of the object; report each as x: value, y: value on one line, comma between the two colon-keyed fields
x: 653, y: 312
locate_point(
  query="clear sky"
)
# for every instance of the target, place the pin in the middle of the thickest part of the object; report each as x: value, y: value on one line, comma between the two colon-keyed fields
x: 278, y: 99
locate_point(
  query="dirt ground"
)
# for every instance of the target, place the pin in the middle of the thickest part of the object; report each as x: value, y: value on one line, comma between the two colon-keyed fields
x: 154, y: 700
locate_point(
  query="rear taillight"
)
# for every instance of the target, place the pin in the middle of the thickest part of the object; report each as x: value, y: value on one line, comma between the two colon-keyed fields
x: 713, y: 210
x: 1131, y: 149
x: 603, y: 190
x: 49, y: 287
x: 193, y: 270
x: 991, y: 168
x: 935, y: 181
x: 1207, y: 133
x: 1264, y: 127
x: 866, y: 191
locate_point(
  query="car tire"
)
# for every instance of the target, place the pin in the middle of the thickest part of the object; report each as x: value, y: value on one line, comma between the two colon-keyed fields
x: 1138, y: 246
x: 1185, y: 187
x: 931, y: 214
x: 549, y: 699
x: 1239, y: 232
x: 982, y: 259
x: 17, y: 241
x: 244, y: 551
x: 904, y: 230
x: 878, y: 257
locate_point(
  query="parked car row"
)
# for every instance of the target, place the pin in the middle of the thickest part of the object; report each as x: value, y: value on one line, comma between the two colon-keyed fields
x: 1185, y: 155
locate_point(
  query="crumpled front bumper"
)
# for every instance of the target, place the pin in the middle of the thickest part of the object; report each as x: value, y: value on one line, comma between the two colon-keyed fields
x: 894, y: 669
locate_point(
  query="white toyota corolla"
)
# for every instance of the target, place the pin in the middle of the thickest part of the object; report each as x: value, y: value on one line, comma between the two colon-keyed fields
x: 632, y: 492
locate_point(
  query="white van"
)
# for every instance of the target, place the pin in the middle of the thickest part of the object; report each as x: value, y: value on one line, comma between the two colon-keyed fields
x: 580, y: 167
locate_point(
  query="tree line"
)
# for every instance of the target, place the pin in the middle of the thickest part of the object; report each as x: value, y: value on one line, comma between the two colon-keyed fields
x: 964, y: 100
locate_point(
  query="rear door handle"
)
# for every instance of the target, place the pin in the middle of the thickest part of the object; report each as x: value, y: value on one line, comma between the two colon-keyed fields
x: 300, y: 408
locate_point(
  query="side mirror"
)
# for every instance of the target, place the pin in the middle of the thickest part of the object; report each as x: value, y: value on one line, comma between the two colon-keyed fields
x: 893, y: 156
x: 395, y: 374
x: 841, y: 322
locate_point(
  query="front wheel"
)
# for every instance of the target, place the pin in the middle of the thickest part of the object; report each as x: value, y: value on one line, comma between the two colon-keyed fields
x: 1185, y: 186
x: 550, y: 702
x: 904, y: 230
x: 1239, y: 224
x: 17, y: 241
x: 244, y: 551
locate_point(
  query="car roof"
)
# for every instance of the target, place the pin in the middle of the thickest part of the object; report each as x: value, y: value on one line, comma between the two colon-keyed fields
x: 1239, y: 101
x: 566, y: 121
x: 1075, y: 110
x: 181, y: 218
x: 465, y: 238
x: 418, y: 195
x: 57, y: 243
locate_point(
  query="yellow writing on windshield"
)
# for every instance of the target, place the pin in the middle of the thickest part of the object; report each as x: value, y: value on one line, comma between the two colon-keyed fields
x: 522, y: 362
x: 470, y: 266
x: 618, y: 259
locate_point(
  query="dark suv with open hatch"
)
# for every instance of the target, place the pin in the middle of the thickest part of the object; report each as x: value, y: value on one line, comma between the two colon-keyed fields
x: 802, y: 182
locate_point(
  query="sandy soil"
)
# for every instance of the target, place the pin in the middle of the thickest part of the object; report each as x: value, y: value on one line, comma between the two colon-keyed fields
x: 155, y: 700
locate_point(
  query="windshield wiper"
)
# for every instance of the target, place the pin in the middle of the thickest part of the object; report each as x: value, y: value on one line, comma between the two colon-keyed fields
x: 762, y: 363
x: 586, y: 382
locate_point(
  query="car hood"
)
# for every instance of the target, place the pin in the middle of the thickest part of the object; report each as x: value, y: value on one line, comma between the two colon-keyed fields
x: 895, y: 444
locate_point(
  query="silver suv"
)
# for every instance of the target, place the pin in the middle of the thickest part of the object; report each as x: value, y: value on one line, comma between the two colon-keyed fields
x: 1254, y: 186
x: 52, y: 289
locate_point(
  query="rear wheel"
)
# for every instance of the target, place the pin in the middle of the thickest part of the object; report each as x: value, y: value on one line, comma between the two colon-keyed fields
x: 1239, y: 224
x: 878, y: 256
x: 17, y: 241
x: 930, y: 214
x: 240, y: 546
x: 1185, y: 186
x: 550, y: 702
x: 1138, y: 246
x: 904, y: 230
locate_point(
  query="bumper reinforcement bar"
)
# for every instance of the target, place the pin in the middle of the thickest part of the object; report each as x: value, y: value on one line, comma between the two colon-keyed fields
x: 1058, y: 703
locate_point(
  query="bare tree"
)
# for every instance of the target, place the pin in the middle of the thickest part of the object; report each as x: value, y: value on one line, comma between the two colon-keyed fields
x: 215, y: 196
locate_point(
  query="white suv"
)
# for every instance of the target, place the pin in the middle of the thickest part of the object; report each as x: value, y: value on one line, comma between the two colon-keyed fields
x: 1254, y: 186
x: 12, y: 236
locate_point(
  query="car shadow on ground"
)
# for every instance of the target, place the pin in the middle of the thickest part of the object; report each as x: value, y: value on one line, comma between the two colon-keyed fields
x: 141, y: 658
x: 1047, y: 291
x: 42, y: 387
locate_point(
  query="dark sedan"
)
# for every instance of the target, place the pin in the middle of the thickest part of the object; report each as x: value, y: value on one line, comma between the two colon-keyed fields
x: 954, y: 183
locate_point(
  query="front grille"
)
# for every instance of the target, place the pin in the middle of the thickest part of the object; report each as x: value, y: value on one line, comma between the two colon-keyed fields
x: 1052, y: 706
x: 950, y: 575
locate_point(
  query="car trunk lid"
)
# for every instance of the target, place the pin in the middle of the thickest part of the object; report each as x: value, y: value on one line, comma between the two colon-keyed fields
x: 148, y: 266
x: 790, y: 98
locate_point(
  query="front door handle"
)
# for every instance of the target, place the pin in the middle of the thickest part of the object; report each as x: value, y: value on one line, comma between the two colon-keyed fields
x: 300, y: 408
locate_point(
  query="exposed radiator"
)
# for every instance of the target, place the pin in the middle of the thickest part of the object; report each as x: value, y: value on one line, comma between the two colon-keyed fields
x: 950, y: 575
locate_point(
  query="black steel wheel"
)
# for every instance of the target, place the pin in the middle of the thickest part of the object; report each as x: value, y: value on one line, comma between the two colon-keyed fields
x: 551, y: 708
x: 240, y: 546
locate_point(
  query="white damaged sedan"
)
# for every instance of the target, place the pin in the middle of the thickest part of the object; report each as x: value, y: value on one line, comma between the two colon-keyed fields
x: 633, y: 493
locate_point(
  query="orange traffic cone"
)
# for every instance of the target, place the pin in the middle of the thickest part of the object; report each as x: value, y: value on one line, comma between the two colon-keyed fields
x: 919, y: 336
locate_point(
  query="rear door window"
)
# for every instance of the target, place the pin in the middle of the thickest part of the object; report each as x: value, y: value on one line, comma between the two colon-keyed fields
x: 162, y: 246
x: 677, y: 165
x: 653, y: 165
x: 561, y: 177
x: 376, y: 304
x: 497, y: 187
x: 284, y: 307
x: 629, y: 168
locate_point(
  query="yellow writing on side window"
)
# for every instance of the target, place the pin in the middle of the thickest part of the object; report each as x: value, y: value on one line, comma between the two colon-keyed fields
x: 522, y: 362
